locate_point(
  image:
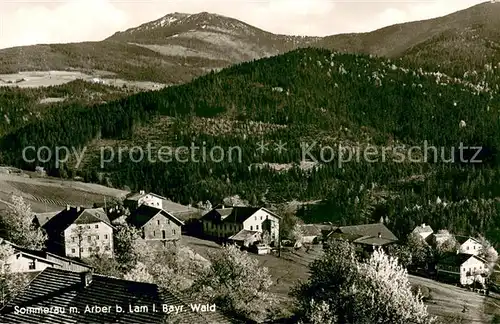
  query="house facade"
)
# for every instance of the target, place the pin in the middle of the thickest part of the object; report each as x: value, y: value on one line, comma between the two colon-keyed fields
x: 80, y: 232
x: 224, y: 222
x: 365, y: 237
x: 25, y: 260
x: 156, y: 224
x: 462, y: 268
x: 468, y: 245
x: 142, y: 198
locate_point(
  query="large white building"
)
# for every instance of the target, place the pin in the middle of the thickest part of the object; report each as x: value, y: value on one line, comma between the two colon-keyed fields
x: 463, y: 268
x: 424, y: 231
x: 468, y: 245
x: 80, y: 232
x: 224, y: 222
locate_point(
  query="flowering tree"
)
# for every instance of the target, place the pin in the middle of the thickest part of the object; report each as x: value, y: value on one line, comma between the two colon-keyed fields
x: 10, y: 283
x: 487, y: 251
x: 342, y: 289
x: 129, y: 246
x: 18, y: 224
x: 237, y: 284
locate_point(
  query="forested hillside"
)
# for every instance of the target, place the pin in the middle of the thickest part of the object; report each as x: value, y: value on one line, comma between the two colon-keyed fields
x: 305, y: 96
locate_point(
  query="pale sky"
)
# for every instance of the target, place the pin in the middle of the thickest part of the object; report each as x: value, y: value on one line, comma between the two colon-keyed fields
x: 26, y: 22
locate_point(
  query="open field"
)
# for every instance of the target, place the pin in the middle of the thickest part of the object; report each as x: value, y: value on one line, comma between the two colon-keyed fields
x: 447, y: 301
x: 50, y: 194
x: 53, y: 78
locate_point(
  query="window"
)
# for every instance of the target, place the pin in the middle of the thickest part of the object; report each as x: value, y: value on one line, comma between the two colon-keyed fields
x: 81, y: 249
x: 255, y: 217
x: 88, y: 238
x: 154, y: 233
x: 73, y: 251
x: 31, y: 265
x: 260, y: 217
x: 107, y: 247
x: 251, y: 228
x: 173, y: 231
x: 90, y: 249
x: 467, y: 248
x: 73, y: 239
x: 97, y: 249
x: 158, y: 222
x: 257, y: 227
x: 106, y: 236
x: 168, y: 221
x: 97, y: 237
x: 164, y: 234
x: 96, y: 225
x: 88, y: 226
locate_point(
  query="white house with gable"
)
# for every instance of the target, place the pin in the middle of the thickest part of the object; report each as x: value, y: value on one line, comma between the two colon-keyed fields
x: 224, y: 222
x: 463, y: 268
x: 469, y: 245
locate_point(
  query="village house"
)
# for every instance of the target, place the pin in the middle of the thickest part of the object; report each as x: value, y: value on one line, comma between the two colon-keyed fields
x: 80, y: 232
x: 96, y: 299
x: 222, y: 223
x: 156, y: 224
x: 150, y: 199
x: 311, y: 233
x: 462, y: 268
x: 468, y: 245
x: 25, y: 260
x: 182, y: 212
x: 424, y: 231
x: 366, y: 237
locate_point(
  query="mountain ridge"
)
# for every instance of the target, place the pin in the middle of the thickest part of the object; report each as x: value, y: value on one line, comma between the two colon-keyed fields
x: 179, y: 47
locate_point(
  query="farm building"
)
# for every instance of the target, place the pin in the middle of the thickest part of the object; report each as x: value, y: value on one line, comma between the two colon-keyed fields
x: 223, y: 222
x: 462, y: 268
x: 468, y: 245
x: 366, y: 237
x: 61, y: 290
x: 80, y: 232
x: 156, y: 224
x: 424, y: 231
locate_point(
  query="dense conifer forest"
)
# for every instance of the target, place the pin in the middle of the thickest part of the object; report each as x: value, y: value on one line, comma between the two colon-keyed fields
x: 310, y: 96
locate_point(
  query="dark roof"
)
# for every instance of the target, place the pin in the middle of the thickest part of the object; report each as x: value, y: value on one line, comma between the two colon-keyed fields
x: 368, y: 230
x: 462, y: 239
x: 232, y: 214
x: 142, y: 215
x: 65, y: 218
x: 457, y: 259
x: 55, y: 287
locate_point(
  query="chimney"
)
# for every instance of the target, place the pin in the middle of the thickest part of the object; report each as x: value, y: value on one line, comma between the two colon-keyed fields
x: 142, y: 192
x: 223, y: 207
x: 68, y: 207
x: 379, y: 235
x: 423, y: 225
x: 86, y: 278
x: 78, y: 208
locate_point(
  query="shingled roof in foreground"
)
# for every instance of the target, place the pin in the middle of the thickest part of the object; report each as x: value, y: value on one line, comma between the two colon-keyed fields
x: 55, y: 290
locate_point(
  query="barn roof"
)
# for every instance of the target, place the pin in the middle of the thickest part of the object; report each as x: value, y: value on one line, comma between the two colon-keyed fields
x: 55, y: 287
x: 142, y: 215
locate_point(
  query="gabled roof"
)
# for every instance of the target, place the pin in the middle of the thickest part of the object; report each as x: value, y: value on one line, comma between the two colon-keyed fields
x: 235, y: 214
x: 368, y: 230
x: 55, y: 287
x: 423, y: 229
x: 42, y: 255
x: 142, y: 215
x: 462, y: 239
x: 310, y: 230
x: 137, y: 196
x: 65, y: 218
x: 457, y: 259
x: 243, y: 235
x: 43, y: 218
